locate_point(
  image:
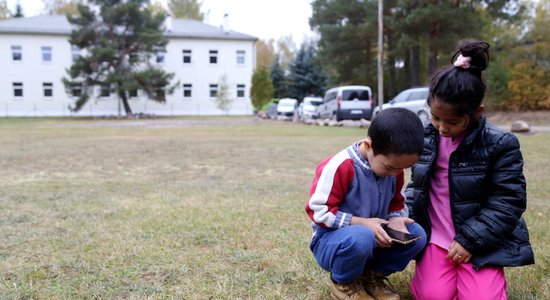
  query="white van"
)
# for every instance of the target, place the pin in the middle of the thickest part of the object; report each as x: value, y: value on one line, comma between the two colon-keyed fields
x: 286, y: 107
x: 347, y: 102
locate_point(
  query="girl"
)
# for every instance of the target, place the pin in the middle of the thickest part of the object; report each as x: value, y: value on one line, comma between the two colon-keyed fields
x: 467, y: 190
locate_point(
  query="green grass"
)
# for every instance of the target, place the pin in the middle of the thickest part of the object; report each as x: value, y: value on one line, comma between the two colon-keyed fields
x: 106, y: 210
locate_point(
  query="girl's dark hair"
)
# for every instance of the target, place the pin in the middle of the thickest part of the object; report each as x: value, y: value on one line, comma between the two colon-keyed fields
x: 462, y: 88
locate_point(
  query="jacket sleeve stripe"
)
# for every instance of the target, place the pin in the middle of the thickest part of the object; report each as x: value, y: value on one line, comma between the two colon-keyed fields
x: 328, y: 190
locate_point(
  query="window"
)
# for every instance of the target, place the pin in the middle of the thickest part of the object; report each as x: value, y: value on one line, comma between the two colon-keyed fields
x: 47, y: 54
x: 16, y: 53
x: 240, y: 57
x: 75, y: 53
x: 133, y: 93
x: 213, y: 90
x: 186, y: 56
x: 18, y: 89
x: 48, y: 89
x: 240, y: 90
x: 133, y: 57
x: 419, y: 95
x: 213, y: 56
x: 160, y: 56
x: 187, y: 88
x: 76, y: 89
x: 105, y: 90
x: 161, y: 93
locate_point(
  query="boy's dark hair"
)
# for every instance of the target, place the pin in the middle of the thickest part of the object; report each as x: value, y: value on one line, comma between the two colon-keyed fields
x: 462, y: 88
x: 396, y: 131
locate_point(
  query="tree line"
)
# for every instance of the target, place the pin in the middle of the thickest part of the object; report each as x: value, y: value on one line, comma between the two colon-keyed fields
x: 419, y: 37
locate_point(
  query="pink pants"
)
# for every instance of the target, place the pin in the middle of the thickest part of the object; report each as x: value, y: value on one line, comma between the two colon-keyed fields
x: 439, y: 278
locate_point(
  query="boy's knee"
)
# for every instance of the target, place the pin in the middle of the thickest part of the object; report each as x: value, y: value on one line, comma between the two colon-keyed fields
x: 360, y: 243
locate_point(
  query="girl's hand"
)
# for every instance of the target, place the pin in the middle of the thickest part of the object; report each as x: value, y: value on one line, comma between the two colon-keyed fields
x: 400, y: 223
x: 380, y: 235
x: 458, y: 253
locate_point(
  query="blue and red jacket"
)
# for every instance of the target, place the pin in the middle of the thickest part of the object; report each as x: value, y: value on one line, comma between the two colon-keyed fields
x: 345, y: 186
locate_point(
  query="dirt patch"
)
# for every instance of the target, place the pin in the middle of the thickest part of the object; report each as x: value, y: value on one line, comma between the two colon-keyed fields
x: 541, y: 118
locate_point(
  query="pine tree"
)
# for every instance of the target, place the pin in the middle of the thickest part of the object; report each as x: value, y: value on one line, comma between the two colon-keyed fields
x: 119, y: 41
x: 307, y: 77
x: 278, y: 78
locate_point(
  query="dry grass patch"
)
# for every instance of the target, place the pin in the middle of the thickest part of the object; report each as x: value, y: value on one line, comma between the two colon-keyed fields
x: 115, y: 210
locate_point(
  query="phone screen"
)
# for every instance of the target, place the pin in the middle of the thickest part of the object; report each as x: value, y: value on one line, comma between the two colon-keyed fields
x: 399, y: 236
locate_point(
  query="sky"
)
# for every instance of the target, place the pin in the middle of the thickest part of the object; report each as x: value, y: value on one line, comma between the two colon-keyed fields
x: 265, y: 19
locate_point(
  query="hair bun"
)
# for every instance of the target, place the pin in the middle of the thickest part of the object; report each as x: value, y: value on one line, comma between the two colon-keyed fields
x: 478, y: 51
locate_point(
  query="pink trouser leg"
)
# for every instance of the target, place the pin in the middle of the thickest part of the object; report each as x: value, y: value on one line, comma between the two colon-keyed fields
x: 439, y: 278
x: 487, y: 283
x: 435, y: 277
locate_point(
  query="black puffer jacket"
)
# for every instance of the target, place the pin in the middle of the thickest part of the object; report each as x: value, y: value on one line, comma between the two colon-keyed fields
x: 487, y: 193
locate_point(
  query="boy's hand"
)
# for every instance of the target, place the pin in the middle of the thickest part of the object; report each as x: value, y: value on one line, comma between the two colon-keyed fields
x: 380, y: 235
x: 400, y: 223
x: 458, y: 253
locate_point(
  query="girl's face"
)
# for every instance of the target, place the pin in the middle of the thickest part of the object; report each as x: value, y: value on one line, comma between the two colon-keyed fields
x: 446, y: 122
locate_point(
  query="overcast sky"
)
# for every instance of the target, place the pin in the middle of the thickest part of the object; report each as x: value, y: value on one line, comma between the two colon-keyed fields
x: 264, y: 19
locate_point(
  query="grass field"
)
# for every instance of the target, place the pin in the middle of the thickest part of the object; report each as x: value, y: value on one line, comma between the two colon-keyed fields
x: 208, y: 210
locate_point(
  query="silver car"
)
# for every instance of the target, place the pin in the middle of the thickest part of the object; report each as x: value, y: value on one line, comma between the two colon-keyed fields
x: 412, y: 99
x: 308, y: 109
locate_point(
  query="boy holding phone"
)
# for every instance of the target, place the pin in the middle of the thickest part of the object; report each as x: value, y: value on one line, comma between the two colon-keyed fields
x: 353, y: 194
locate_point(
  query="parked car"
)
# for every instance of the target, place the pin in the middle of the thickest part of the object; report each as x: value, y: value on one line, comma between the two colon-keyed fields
x: 308, y: 108
x: 413, y: 99
x: 272, y: 110
x: 347, y: 102
x: 287, y: 107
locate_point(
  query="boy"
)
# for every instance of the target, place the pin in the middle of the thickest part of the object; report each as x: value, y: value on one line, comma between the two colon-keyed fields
x: 356, y: 191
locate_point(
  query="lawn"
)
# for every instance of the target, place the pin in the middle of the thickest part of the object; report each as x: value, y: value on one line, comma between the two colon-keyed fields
x: 186, y: 209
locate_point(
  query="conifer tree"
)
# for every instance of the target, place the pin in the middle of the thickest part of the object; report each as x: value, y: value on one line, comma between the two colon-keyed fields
x: 279, y: 80
x: 117, y: 41
x: 306, y: 76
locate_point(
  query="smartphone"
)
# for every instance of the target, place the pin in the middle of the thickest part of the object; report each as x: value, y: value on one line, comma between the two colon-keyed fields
x: 399, y: 236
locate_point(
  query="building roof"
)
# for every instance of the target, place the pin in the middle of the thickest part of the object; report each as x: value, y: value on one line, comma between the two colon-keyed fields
x: 59, y: 25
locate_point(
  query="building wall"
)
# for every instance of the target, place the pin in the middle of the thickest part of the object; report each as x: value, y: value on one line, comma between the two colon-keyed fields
x: 33, y: 72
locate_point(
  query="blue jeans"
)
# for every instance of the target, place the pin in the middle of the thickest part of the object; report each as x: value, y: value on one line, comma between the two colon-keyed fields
x: 347, y: 251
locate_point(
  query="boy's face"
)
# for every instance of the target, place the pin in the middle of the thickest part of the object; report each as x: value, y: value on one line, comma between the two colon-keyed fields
x: 390, y: 164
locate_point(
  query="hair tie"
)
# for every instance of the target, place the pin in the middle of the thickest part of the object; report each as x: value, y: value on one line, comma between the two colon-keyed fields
x: 462, y: 62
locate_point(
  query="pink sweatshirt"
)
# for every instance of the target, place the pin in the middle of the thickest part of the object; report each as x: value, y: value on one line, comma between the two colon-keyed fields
x: 443, y: 231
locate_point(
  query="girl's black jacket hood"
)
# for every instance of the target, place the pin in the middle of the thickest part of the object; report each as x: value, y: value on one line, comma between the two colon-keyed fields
x: 487, y: 192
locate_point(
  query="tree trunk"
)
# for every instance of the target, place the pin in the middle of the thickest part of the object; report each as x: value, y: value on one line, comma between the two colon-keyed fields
x: 432, y: 58
x: 391, y: 85
x: 124, y: 99
x: 415, y: 65
x: 432, y: 61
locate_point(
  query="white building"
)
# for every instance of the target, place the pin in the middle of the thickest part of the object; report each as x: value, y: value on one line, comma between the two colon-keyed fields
x: 35, y: 53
